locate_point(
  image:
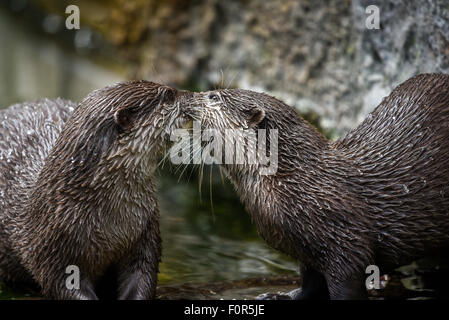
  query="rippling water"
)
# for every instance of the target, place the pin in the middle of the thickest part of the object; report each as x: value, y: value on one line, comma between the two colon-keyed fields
x: 203, y: 246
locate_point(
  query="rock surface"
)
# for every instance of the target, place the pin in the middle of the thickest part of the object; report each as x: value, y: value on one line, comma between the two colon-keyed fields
x: 316, y: 55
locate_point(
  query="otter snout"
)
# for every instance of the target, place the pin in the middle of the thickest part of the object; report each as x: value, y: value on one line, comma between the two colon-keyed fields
x: 184, y: 96
x: 190, y: 103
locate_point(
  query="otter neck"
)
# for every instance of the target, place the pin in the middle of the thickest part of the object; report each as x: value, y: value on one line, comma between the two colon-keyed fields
x: 302, y: 170
x: 300, y: 151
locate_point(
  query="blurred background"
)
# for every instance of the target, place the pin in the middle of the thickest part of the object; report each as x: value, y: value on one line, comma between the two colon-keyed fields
x: 318, y: 56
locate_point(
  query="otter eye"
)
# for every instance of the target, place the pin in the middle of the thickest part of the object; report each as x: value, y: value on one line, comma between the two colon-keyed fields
x: 214, y: 96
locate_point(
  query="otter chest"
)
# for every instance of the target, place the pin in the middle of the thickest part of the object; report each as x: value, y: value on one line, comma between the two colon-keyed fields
x: 118, y: 231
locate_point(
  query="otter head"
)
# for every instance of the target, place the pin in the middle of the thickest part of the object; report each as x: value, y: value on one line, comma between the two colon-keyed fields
x: 246, y: 120
x: 118, y: 128
x: 251, y: 111
x: 228, y: 109
x: 141, y: 116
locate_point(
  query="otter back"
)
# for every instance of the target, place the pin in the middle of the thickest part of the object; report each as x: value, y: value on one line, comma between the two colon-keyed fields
x: 27, y: 134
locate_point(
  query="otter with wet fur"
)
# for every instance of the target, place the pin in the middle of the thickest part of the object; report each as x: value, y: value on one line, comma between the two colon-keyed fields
x: 76, y: 189
x: 379, y: 196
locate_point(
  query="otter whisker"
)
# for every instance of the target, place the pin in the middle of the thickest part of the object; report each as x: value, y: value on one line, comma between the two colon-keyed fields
x: 200, y: 181
x: 232, y: 79
x: 162, y: 161
x: 185, y: 167
x: 190, y: 155
x: 221, y: 175
x: 210, y: 193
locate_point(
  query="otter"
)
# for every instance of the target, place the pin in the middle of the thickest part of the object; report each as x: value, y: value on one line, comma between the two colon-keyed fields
x: 76, y: 189
x: 378, y: 196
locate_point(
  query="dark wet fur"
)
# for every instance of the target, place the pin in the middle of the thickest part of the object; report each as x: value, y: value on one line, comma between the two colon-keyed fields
x: 378, y: 196
x: 77, y: 190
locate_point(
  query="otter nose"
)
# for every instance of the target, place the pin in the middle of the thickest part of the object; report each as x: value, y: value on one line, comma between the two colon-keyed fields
x: 187, y: 98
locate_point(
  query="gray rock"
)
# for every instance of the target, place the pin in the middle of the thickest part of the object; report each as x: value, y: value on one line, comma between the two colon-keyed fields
x: 316, y: 55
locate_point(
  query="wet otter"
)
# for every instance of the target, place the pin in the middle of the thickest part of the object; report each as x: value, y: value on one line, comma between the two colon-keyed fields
x: 378, y: 196
x: 76, y: 189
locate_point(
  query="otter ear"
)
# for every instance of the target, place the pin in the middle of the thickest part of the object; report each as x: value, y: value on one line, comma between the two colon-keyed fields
x: 122, y: 118
x: 255, y: 117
